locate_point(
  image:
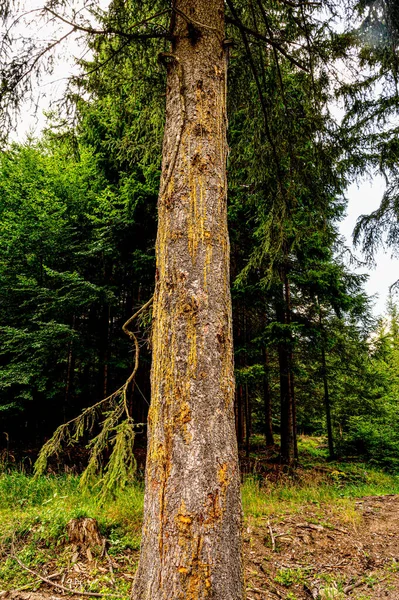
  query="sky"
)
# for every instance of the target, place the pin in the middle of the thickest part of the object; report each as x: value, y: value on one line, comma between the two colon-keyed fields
x: 363, y: 197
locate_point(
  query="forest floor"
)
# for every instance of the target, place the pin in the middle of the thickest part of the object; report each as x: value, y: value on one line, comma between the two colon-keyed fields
x: 317, y: 554
x: 325, y: 552
x: 329, y: 532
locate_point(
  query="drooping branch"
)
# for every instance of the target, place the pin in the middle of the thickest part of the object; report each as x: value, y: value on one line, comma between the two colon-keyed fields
x: 236, y: 21
x: 25, y: 57
x: 121, y: 463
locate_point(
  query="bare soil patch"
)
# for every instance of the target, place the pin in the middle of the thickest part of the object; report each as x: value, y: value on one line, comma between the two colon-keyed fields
x: 317, y: 554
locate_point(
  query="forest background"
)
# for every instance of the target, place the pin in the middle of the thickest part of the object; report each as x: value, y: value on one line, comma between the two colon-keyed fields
x: 78, y: 214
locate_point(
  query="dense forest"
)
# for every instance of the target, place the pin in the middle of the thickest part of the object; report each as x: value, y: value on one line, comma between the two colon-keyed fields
x: 103, y: 267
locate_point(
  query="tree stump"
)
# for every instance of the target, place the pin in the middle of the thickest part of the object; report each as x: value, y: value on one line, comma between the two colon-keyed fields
x: 85, y: 536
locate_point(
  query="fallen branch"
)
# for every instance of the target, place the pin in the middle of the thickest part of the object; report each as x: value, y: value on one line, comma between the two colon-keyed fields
x: 360, y: 583
x: 58, y: 585
x: 310, y: 526
x: 272, y: 590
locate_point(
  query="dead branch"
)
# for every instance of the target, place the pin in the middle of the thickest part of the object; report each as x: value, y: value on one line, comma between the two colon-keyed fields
x: 360, y: 583
x: 58, y: 585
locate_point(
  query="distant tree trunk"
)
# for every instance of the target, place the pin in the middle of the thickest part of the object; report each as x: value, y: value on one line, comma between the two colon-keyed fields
x: 288, y: 320
x: 267, y: 400
x: 191, y: 542
x: 69, y: 374
x: 293, y: 400
x: 240, y: 415
x: 326, y: 391
x: 327, y: 405
x: 247, y: 421
x: 287, y: 431
x: 288, y: 435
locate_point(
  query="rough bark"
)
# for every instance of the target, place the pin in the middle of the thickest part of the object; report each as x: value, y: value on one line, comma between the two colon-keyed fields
x: 191, y: 544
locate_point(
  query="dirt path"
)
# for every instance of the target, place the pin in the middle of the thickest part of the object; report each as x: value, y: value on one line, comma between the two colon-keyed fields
x: 325, y: 553
x: 319, y: 554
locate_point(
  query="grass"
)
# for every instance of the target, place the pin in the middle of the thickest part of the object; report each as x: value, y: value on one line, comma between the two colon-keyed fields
x: 316, y: 481
x: 42, y: 507
x: 34, y: 512
x: 340, y: 486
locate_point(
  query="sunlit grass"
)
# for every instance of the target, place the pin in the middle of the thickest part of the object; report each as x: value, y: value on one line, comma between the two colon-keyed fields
x: 43, y: 506
x: 339, y: 486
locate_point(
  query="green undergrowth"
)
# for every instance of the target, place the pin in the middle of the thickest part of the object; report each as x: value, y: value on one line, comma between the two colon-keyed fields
x: 317, y: 480
x: 43, y: 506
x: 340, y: 484
x: 33, y: 518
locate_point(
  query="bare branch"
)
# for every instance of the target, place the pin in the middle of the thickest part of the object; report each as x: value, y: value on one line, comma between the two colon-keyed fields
x: 111, y: 31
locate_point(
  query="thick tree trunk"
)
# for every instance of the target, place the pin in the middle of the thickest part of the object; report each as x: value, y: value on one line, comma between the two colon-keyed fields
x: 191, y: 545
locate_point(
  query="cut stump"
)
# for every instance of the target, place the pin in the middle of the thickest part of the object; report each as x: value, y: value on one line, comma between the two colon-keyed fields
x: 84, y: 534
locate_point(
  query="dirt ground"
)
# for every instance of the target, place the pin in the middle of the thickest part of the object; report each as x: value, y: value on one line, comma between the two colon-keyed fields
x: 317, y: 555
x: 324, y: 553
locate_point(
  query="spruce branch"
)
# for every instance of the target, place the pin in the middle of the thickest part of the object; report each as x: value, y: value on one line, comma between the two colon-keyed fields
x: 236, y: 21
x: 117, y: 422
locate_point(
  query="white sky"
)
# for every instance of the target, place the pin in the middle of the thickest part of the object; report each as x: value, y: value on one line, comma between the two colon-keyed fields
x: 363, y: 198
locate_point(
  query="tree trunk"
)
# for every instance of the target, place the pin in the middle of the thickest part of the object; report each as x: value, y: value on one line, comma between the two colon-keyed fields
x: 191, y: 544
x: 327, y: 405
x: 248, y: 425
x: 267, y: 400
x: 326, y: 390
x: 293, y: 402
x: 287, y: 431
x: 287, y: 448
x: 240, y: 415
x: 292, y: 399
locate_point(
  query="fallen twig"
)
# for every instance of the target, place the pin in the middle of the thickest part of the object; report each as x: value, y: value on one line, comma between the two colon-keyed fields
x: 310, y: 526
x: 111, y: 568
x: 272, y: 590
